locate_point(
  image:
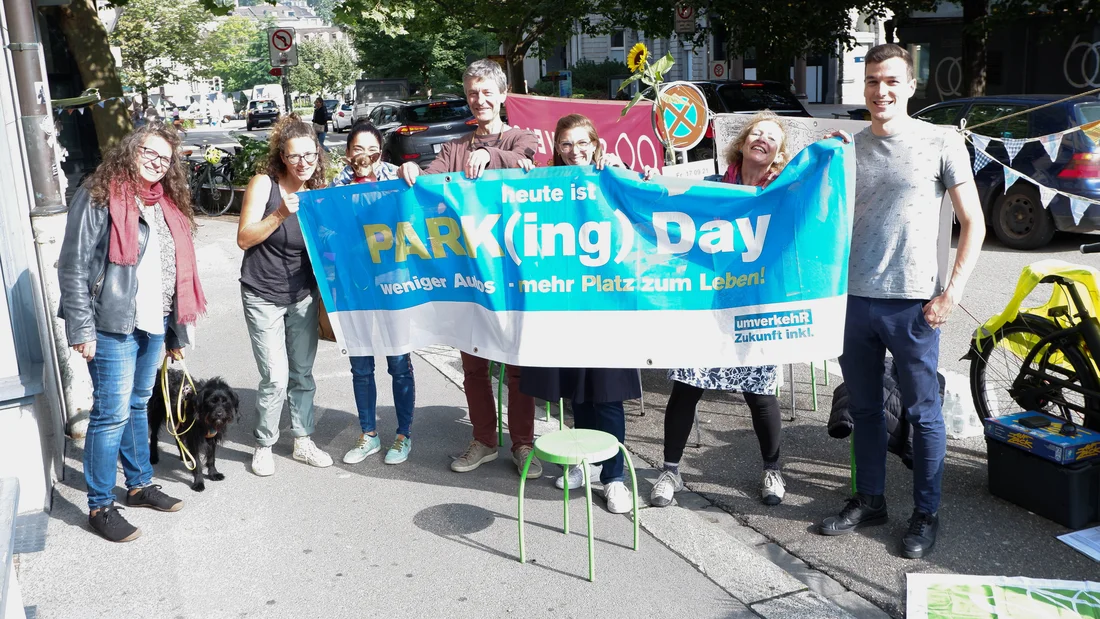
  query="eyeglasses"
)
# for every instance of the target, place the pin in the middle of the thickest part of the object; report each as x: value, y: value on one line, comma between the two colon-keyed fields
x: 372, y: 154
x: 567, y: 147
x: 307, y: 157
x: 149, y: 155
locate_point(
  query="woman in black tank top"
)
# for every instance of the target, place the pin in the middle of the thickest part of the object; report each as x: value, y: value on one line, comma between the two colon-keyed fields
x: 279, y: 291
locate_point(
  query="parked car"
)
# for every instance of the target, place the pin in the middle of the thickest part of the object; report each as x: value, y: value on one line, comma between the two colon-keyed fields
x: 1016, y: 215
x: 744, y: 97
x: 417, y: 130
x: 261, y: 111
x: 341, y: 120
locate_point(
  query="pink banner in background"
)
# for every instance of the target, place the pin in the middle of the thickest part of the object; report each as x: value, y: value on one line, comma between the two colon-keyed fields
x: 631, y: 138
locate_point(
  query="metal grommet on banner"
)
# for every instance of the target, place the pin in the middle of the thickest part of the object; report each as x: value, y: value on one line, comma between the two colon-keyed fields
x: 447, y: 179
x: 475, y: 348
x: 649, y: 361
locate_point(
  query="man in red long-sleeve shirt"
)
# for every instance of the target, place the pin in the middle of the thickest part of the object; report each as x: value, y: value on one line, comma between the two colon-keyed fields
x: 493, y: 145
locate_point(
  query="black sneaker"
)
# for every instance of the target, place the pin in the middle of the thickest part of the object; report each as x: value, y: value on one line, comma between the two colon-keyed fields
x: 921, y: 535
x: 151, y: 496
x: 856, y: 513
x: 112, y: 526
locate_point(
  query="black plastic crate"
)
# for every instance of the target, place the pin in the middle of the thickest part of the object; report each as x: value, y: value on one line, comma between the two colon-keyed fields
x: 1066, y: 494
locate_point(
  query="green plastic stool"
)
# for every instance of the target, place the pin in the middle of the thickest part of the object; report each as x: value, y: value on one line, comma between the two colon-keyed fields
x: 500, y: 405
x: 577, y: 447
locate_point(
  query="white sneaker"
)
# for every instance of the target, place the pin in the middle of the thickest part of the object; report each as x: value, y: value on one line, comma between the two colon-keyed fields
x: 772, y: 488
x: 306, y: 451
x: 618, y: 497
x: 263, y: 463
x: 575, y: 477
x: 668, y: 484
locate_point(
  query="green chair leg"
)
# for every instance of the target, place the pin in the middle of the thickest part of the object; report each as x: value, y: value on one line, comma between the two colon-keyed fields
x: 852, y: 461
x: 561, y: 414
x: 500, y: 406
x: 547, y: 410
x: 813, y: 385
x: 591, y: 532
x: 825, y: 364
x: 565, y: 491
x: 634, y: 488
x: 522, y: 486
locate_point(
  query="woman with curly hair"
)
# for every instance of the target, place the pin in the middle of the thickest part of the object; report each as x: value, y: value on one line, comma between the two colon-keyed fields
x: 279, y: 291
x: 755, y: 159
x: 129, y: 285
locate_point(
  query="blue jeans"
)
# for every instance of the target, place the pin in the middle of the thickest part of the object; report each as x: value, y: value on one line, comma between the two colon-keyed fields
x: 123, y: 371
x: 872, y: 327
x: 607, y: 417
x: 366, y: 394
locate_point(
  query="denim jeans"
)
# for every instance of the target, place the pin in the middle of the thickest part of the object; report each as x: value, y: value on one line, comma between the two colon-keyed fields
x: 872, y: 327
x: 607, y: 417
x: 284, y: 342
x: 366, y: 394
x: 123, y: 371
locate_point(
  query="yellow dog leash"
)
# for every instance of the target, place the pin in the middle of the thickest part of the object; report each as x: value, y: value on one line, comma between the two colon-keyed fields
x: 174, y: 424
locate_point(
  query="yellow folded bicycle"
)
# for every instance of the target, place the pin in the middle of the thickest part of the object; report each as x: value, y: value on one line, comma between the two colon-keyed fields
x: 1043, y: 358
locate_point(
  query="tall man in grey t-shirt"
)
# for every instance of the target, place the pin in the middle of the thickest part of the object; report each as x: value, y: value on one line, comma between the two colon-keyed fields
x: 897, y: 296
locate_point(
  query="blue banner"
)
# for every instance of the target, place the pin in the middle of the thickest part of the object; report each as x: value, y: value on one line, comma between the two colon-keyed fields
x: 573, y: 266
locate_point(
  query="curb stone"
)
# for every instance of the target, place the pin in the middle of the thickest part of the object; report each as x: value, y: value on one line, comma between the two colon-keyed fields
x: 729, y: 553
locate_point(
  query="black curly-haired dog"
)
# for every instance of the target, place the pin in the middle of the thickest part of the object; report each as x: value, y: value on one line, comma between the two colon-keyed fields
x: 212, y: 405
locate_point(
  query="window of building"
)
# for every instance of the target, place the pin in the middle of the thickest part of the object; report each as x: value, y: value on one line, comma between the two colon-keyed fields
x: 922, y: 58
x: 618, y: 45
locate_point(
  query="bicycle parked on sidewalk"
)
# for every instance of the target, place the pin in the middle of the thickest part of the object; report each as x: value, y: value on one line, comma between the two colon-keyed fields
x: 1043, y: 358
x: 212, y: 181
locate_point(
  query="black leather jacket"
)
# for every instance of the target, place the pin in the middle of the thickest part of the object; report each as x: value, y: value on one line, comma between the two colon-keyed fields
x: 95, y: 294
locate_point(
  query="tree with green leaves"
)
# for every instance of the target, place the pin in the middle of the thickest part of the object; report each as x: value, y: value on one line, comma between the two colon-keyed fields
x: 236, y: 52
x: 159, y: 42
x: 521, y: 26
x: 431, y: 60
x: 324, y: 68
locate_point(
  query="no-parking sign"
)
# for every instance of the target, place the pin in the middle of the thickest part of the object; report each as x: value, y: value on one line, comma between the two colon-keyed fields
x: 282, y: 47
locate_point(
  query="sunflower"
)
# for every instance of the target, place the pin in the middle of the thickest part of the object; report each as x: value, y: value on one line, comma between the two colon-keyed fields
x: 635, y: 60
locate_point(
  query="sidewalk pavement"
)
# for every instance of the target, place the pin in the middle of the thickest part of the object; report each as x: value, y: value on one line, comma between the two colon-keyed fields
x: 409, y: 540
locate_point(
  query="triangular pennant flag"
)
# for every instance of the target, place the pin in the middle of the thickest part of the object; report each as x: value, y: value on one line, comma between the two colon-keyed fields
x: 1092, y: 130
x: 102, y: 103
x: 1013, y: 147
x: 81, y: 111
x: 1011, y: 176
x: 981, y: 159
x: 1046, y: 194
x: 1078, y: 206
x: 70, y: 111
x: 1051, y: 143
x: 980, y: 141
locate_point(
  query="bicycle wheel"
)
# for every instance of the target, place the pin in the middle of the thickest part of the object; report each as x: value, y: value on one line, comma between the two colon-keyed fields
x: 195, y: 184
x: 207, y: 202
x: 221, y: 190
x: 1001, y: 386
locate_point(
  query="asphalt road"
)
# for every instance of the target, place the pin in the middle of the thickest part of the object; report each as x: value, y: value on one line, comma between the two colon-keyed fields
x: 226, y: 135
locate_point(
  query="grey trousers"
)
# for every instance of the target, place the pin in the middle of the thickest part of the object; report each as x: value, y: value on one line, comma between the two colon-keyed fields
x: 284, y: 342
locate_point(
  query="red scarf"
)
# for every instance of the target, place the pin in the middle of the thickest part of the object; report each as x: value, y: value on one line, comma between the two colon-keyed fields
x: 733, y: 176
x: 190, y: 300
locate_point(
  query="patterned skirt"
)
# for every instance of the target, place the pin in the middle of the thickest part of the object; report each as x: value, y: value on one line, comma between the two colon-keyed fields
x: 761, y: 379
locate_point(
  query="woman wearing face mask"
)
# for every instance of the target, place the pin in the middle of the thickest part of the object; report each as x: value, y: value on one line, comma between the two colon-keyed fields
x: 364, y: 154
x: 129, y: 283
x: 596, y: 394
x: 755, y: 158
x: 279, y: 291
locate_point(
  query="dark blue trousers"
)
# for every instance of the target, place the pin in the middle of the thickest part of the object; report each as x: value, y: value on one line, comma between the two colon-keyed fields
x: 872, y: 327
x: 607, y: 417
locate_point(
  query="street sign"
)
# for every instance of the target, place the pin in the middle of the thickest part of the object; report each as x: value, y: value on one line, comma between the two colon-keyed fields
x: 682, y: 115
x: 717, y: 70
x: 685, y: 19
x: 281, y: 47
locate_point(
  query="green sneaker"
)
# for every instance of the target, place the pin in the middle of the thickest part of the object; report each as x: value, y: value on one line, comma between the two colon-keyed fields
x: 399, y: 452
x: 367, y: 446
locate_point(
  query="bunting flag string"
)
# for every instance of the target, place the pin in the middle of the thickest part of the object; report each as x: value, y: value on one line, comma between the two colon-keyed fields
x: 1051, y: 142
x: 69, y: 109
x: 1077, y: 204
